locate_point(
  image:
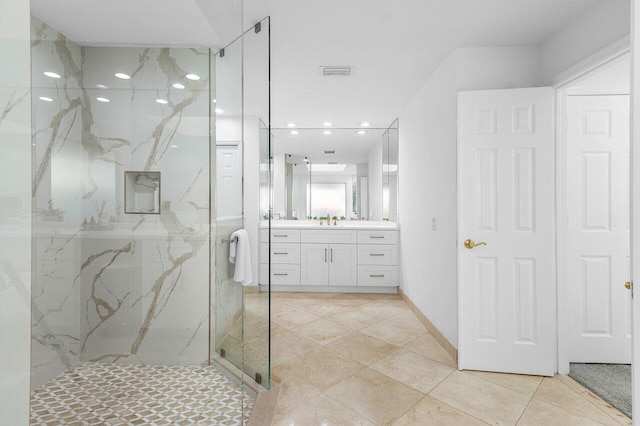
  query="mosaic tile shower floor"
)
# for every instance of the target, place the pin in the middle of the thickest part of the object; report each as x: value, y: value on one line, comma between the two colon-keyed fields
x: 122, y: 394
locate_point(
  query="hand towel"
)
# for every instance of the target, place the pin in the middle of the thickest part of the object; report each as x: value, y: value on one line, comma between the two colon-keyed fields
x: 240, y: 255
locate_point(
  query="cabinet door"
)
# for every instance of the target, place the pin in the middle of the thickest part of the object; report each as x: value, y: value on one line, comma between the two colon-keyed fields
x: 314, y: 264
x: 343, y: 264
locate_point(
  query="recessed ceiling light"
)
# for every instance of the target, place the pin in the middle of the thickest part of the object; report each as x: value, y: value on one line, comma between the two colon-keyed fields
x: 327, y: 124
x: 178, y: 86
x: 361, y: 132
x: 214, y: 101
x: 193, y: 77
x: 365, y: 124
x: 291, y: 124
x: 122, y: 76
x: 219, y: 110
x: 162, y: 101
x: 326, y: 132
x: 101, y: 86
x: 294, y: 132
x: 45, y: 98
x: 52, y: 74
x: 174, y: 146
x: 103, y: 100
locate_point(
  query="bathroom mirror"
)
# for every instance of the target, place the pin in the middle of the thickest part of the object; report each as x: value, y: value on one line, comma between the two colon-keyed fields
x: 390, y: 173
x: 351, y: 174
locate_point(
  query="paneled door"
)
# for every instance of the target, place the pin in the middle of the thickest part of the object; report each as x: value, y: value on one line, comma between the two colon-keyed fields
x: 229, y: 181
x: 343, y: 264
x: 314, y: 264
x: 506, y: 237
x: 598, y: 240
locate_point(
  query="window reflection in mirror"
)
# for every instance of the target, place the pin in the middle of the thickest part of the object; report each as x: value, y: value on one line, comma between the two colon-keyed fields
x: 348, y: 174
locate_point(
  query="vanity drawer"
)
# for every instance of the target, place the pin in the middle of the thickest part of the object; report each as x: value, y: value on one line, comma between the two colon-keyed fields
x: 280, y: 253
x: 377, y: 255
x: 280, y: 235
x: 329, y: 236
x: 383, y: 276
x: 280, y: 274
x: 377, y: 237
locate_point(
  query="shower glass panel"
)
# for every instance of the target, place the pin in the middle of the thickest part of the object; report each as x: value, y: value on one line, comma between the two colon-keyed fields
x: 136, y: 185
x: 113, y: 286
x: 227, y: 295
x: 15, y: 211
x: 242, y: 109
x: 256, y: 137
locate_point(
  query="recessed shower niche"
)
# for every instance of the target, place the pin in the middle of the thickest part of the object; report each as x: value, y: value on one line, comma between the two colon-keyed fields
x: 142, y: 192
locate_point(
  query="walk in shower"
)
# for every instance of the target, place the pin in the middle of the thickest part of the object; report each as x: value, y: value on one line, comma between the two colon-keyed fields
x: 138, y: 157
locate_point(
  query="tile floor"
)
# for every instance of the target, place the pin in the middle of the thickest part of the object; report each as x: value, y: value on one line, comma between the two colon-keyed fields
x: 345, y: 359
x: 124, y: 394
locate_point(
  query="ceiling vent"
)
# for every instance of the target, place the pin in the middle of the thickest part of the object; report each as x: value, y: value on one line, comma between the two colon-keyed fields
x: 329, y: 152
x: 332, y: 162
x: 336, y: 71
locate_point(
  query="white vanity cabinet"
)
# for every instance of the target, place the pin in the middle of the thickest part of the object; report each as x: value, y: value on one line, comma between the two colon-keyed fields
x: 285, y: 257
x: 328, y: 264
x: 330, y: 259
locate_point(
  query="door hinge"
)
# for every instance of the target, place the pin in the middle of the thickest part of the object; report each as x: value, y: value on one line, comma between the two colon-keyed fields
x: 629, y: 286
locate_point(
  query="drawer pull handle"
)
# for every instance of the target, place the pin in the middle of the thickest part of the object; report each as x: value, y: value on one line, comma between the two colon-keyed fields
x: 280, y: 235
x: 376, y: 275
x: 376, y: 254
x: 280, y: 275
x: 280, y: 252
x: 377, y: 236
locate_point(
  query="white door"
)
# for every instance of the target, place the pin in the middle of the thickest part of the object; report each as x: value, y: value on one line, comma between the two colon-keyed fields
x: 507, y: 291
x: 228, y: 181
x: 598, y: 245
x: 343, y: 264
x: 314, y: 264
x: 635, y: 203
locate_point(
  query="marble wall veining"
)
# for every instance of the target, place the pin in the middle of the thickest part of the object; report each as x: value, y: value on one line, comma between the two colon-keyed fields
x: 15, y: 211
x: 145, y: 282
x: 56, y: 196
x: 110, y: 286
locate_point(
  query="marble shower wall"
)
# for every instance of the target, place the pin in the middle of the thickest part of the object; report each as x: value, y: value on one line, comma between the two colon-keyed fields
x: 56, y: 199
x: 15, y: 211
x: 145, y: 278
x: 110, y: 286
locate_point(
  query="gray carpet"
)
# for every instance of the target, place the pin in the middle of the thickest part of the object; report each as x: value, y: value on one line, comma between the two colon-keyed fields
x: 611, y: 382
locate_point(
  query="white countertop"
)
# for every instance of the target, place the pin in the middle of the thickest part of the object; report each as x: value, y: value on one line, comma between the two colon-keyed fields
x: 342, y: 224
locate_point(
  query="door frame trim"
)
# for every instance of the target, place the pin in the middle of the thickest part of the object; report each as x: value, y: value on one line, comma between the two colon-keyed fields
x: 610, y: 54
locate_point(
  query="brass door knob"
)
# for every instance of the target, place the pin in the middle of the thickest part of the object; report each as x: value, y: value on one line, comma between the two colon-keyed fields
x: 469, y: 244
x: 627, y: 285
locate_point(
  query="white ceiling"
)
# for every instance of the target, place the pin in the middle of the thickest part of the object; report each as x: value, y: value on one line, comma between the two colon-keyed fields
x: 394, y: 46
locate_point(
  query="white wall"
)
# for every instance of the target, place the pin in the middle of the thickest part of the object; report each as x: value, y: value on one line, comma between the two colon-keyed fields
x: 375, y: 182
x: 428, y: 176
x: 15, y: 212
x: 604, y: 24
